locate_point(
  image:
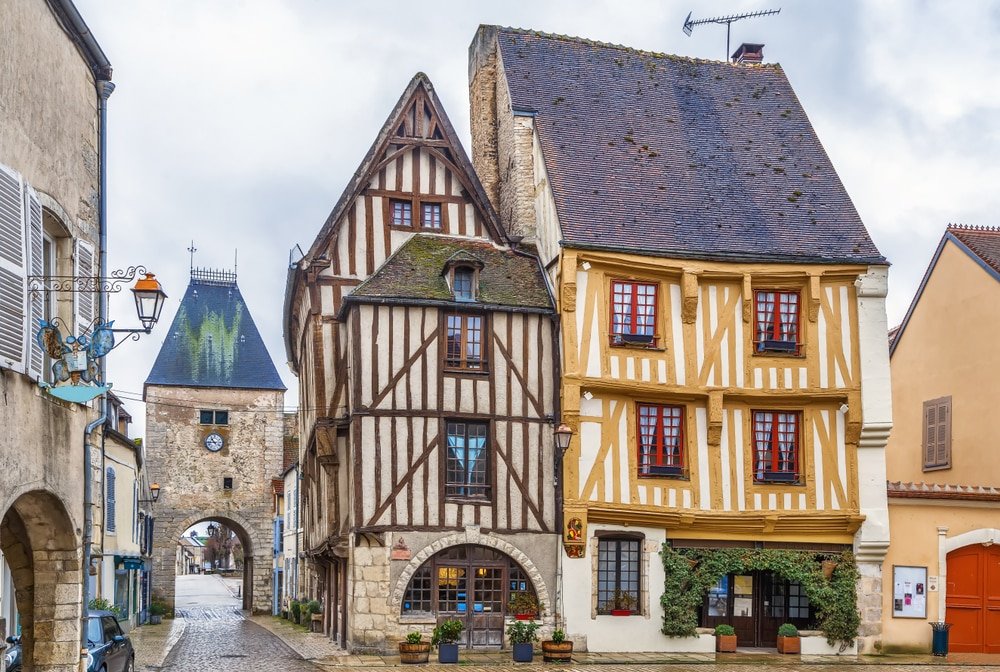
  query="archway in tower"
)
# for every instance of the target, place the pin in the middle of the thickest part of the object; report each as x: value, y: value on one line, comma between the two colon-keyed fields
x: 42, y: 550
x: 219, y: 551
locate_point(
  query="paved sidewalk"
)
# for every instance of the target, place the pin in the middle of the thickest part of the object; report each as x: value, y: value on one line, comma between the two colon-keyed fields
x: 318, y: 649
x: 152, y: 643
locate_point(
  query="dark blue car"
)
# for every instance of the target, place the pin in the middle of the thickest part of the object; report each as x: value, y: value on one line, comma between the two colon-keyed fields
x: 108, y: 649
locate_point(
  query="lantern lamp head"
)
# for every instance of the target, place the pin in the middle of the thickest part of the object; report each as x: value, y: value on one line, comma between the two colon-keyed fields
x: 149, y: 298
x: 563, y: 435
x: 154, y: 491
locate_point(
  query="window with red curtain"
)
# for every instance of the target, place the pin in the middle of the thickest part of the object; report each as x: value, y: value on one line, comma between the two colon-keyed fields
x: 777, y: 321
x: 661, y: 440
x: 633, y: 313
x: 776, y: 439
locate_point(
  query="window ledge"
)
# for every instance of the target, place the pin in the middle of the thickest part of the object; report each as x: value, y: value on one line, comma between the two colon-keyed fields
x: 637, y: 346
x: 418, y: 619
x: 936, y: 467
x: 798, y: 483
x: 457, y: 499
x: 467, y: 372
x: 780, y: 354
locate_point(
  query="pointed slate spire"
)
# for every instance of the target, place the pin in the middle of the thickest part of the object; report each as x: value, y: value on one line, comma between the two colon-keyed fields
x: 213, y: 341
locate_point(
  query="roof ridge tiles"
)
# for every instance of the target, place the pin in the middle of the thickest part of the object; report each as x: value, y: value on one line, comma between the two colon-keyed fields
x: 621, y: 47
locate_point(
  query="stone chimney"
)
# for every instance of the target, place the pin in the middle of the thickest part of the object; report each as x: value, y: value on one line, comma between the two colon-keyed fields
x: 749, y: 54
x: 483, y: 109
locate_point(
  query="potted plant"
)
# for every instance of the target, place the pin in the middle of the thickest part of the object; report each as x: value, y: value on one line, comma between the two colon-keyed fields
x: 414, y: 649
x: 788, y: 639
x: 557, y: 649
x: 157, y: 610
x: 725, y: 638
x: 828, y: 566
x: 521, y: 635
x: 524, y: 606
x: 622, y: 603
x: 296, y: 609
x: 445, y: 637
x: 315, y: 610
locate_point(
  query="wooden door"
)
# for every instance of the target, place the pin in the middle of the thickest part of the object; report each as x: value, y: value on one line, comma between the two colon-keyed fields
x: 744, y: 608
x: 486, y: 609
x: 973, y: 599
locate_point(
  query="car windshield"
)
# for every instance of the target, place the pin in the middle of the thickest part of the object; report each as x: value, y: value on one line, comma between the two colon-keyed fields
x: 94, y: 632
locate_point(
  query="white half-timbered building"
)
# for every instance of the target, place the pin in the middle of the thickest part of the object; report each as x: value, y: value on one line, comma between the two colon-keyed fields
x: 424, y: 343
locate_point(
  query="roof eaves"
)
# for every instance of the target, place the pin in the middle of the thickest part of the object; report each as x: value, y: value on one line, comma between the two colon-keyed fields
x: 728, y: 257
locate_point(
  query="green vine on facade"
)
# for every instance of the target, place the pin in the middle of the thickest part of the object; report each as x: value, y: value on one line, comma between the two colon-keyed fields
x: 690, y: 573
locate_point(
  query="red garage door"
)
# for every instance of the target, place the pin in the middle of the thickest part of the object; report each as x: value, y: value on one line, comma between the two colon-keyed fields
x: 973, y: 604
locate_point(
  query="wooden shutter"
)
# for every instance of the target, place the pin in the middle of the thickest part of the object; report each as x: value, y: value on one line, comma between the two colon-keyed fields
x: 937, y: 433
x: 13, y: 272
x: 109, y: 501
x: 85, y: 302
x: 36, y: 299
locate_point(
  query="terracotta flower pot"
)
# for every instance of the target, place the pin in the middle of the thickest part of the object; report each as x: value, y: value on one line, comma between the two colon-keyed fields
x: 557, y: 652
x: 828, y: 567
x: 725, y: 643
x: 789, y: 644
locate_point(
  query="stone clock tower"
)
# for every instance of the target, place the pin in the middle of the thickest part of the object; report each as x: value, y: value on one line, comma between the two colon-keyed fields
x: 214, y: 431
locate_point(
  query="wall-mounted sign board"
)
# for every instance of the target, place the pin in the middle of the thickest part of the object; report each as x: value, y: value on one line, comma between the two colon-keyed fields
x: 909, y: 592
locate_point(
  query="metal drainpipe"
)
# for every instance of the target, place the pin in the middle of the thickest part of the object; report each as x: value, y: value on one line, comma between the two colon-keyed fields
x: 104, y: 89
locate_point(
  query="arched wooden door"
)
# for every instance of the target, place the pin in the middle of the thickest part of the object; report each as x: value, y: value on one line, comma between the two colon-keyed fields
x: 973, y: 599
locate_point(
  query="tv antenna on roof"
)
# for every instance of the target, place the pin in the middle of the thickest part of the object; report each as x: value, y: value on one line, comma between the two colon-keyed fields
x: 728, y: 20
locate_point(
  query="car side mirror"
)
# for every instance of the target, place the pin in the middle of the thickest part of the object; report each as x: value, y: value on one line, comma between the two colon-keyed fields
x: 118, y: 639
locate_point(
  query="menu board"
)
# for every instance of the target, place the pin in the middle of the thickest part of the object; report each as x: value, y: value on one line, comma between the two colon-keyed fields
x: 909, y: 592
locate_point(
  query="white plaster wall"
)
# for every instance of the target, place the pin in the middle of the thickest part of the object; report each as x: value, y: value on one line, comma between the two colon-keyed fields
x: 621, y: 633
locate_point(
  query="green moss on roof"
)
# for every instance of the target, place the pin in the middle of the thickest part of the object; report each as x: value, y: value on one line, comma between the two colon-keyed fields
x: 417, y: 272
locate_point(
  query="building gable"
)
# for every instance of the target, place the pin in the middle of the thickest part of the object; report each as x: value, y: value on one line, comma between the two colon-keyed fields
x: 980, y: 244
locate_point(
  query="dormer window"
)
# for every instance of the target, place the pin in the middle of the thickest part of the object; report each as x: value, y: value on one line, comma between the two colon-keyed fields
x: 464, y: 284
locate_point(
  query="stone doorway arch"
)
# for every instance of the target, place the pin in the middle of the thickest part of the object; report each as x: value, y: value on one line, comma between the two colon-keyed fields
x: 256, y: 559
x: 43, y: 551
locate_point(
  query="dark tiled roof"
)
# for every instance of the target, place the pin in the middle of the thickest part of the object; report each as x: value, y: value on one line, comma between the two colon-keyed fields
x: 984, y: 241
x: 680, y: 157
x: 416, y: 273
x: 213, y: 342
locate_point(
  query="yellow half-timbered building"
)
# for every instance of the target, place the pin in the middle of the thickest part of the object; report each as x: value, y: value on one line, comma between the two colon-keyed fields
x: 724, y: 361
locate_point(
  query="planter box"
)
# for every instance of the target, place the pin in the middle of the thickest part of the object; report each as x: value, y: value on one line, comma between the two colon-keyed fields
x: 725, y: 643
x: 414, y: 653
x: 621, y: 612
x: 789, y: 644
x: 523, y: 653
x: 525, y: 617
x: 155, y: 619
x: 447, y: 653
x: 816, y: 645
x: 557, y: 652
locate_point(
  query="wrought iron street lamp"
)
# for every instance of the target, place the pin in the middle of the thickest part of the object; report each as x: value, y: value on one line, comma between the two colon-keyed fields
x: 563, y: 436
x: 154, y: 492
x: 149, y: 298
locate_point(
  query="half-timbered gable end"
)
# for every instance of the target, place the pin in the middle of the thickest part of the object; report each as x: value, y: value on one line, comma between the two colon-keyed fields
x: 425, y: 349
x: 724, y: 363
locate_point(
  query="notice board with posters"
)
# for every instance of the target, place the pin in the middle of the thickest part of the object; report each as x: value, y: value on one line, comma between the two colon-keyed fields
x: 909, y: 592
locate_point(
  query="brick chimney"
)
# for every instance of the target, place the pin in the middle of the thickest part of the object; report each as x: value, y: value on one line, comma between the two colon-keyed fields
x: 748, y: 53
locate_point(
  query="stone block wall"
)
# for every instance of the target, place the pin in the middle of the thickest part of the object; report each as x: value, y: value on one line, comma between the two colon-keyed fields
x: 191, y: 477
x: 869, y: 606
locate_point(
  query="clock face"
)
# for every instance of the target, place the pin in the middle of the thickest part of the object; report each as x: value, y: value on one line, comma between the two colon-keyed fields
x: 214, y: 442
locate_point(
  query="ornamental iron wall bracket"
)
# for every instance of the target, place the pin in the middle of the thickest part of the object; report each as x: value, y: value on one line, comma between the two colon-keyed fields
x: 71, y: 283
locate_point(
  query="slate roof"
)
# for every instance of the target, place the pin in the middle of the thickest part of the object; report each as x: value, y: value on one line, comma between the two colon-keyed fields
x: 415, y: 273
x: 213, y: 342
x: 673, y: 156
x: 983, y: 241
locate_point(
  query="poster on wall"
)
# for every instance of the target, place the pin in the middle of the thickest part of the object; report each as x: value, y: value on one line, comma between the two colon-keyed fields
x: 909, y: 592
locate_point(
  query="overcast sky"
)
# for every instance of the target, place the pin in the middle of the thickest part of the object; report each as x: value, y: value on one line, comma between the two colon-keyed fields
x: 237, y: 123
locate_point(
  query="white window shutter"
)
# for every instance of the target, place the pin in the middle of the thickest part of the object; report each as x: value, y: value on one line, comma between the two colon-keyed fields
x: 109, y: 500
x: 85, y: 302
x: 36, y: 299
x: 13, y: 282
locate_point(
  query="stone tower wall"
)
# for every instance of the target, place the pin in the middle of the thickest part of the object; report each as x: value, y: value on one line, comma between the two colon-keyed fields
x: 191, y: 477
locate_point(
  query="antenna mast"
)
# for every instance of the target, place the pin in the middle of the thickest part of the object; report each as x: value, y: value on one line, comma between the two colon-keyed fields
x: 728, y: 20
x: 192, y: 250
